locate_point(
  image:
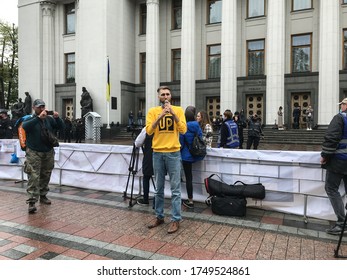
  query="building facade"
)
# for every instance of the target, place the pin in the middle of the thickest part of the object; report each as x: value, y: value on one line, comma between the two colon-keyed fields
x: 255, y: 55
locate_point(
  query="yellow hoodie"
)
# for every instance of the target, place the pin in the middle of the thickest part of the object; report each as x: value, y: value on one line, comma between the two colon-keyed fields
x: 166, y: 134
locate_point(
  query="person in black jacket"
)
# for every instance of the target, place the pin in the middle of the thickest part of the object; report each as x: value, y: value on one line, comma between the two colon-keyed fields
x: 296, y: 117
x: 145, y: 140
x: 254, y: 132
x: 68, y: 130
x: 334, y: 160
x: 79, y: 130
x: 241, y: 124
x: 6, y: 131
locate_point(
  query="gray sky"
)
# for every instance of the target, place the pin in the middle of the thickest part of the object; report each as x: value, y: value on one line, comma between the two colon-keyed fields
x: 9, y: 11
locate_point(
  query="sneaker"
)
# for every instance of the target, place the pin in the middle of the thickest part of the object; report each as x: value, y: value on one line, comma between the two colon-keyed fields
x: 45, y: 200
x: 141, y: 201
x: 335, y: 230
x: 188, y: 204
x: 32, y: 209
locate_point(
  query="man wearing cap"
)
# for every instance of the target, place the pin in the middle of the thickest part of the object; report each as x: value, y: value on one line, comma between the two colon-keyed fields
x: 5, y: 126
x: 39, y: 161
x: 334, y: 160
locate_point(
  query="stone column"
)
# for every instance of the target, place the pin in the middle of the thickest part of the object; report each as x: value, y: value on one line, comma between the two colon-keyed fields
x: 152, y: 53
x: 188, y: 54
x: 47, y: 47
x: 275, y: 64
x: 228, y: 91
x: 329, y: 51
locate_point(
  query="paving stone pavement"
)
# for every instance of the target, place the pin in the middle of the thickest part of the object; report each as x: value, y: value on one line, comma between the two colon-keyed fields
x: 96, y: 225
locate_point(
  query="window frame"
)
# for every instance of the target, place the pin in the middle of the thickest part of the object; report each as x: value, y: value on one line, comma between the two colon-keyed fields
x: 247, y: 56
x: 209, y: 14
x: 208, y: 56
x: 291, y: 52
x: 344, y: 50
x: 263, y: 15
x: 311, y: 6
x: 173, y: 60
x: 67, y: 13
x: 174, y: 10
x: 142, y: 67
x: 143, y: 19
x: 67, y: 64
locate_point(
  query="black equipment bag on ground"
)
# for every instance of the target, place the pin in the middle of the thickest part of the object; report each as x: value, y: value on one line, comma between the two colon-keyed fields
x: 219, y: 188
x: 228, y: 205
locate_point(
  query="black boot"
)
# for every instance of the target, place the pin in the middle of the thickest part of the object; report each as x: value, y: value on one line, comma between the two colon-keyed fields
x: 45, y: 200
x: 32, y: 208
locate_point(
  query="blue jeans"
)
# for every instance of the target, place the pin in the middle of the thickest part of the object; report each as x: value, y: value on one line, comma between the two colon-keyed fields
x: 332, y: 183
x: 167, y: 163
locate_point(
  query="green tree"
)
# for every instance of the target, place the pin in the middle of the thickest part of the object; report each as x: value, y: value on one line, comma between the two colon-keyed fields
x: 8, y: 64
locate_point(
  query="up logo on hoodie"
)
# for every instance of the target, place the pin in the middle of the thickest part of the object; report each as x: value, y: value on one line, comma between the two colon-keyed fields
x: 166, y: 123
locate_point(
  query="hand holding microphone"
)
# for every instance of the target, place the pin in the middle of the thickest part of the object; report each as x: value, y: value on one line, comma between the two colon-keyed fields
x: 167, y: 106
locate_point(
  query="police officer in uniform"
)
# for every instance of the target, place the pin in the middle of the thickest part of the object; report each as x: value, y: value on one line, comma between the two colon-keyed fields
x: 229, y: 135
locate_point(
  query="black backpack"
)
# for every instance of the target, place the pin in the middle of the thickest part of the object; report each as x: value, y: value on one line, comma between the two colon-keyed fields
x: 198, y: 147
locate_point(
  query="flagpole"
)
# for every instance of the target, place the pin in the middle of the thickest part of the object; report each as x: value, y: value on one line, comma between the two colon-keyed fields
x: 108, y: 93
x: 108, y: 115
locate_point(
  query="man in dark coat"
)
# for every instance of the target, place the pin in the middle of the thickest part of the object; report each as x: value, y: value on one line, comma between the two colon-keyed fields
x: 6, y: 131
x: 255, y: 132
x: 296, y: 117
x: 145, y: 140
x: 241, y: 124
x: 334, y: 160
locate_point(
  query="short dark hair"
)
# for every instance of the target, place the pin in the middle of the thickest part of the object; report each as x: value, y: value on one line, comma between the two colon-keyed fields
x: 228, y: 114
x: 163, y: 87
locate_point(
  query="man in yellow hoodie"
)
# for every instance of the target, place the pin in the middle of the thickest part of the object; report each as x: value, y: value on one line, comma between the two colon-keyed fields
x: 166, y: 122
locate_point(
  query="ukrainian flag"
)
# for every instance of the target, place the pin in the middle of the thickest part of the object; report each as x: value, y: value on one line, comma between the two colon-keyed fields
x: 108, y: 90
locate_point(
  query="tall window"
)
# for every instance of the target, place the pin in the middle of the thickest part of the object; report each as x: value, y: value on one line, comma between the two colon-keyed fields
x: 256, y: 8
x: 70, y: 67
x: 345, y: 48
x: 176, y: 14
x: 70, y: 18
x: 143, y: 18
x: 344, y: 1
x: 142, y: 68
x: 301, y: 53
x: 214, y: 11
x: 176, y: 65
x: 301, y: 4
x: 255, y: 58
x: 213, y: 61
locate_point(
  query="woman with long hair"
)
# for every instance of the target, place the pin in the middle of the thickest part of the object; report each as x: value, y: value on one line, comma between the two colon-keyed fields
x: 206, y: 127
x: 186, y: 141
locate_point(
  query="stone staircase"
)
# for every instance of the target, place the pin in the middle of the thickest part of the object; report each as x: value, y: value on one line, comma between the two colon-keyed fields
x: 292, y: 136
x: 271, y: 136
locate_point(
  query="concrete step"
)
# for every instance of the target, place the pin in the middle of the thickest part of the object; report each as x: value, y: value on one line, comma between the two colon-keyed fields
x: 293, y: 136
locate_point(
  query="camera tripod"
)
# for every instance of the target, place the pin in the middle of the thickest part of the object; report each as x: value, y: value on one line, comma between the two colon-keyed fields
x: 336, y: 252
x: 133, y: 168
